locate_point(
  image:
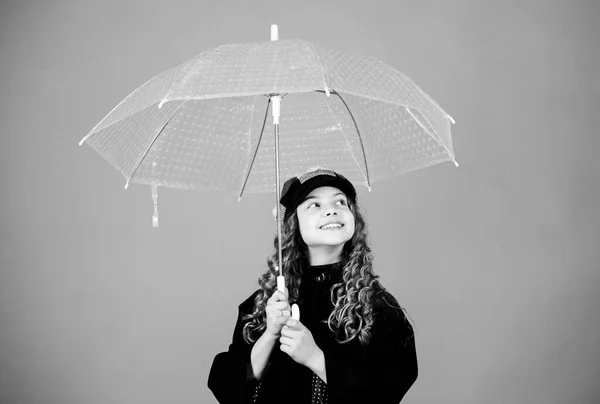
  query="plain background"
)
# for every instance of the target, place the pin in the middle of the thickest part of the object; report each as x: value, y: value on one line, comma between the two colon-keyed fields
x: 496, y: 261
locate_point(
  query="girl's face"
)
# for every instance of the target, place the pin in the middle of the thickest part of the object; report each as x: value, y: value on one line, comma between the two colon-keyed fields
x: 325, y: 219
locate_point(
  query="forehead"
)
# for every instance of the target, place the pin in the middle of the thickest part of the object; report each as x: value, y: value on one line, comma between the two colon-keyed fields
x: 324, y: 192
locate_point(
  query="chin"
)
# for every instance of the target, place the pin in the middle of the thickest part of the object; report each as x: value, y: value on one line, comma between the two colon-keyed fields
x: 335, y: 241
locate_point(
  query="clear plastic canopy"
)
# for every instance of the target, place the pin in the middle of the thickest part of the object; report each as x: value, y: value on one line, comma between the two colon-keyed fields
x: 207, y: 124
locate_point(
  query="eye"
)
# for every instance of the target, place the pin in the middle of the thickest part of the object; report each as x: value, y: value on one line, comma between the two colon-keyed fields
x: 313, y: 205
x: 342, y: 202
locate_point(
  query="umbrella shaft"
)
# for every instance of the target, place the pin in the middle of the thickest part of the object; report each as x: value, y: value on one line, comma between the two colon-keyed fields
x: 277, y: 195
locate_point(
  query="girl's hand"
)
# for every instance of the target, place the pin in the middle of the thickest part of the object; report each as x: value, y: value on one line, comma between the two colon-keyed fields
x: 298, y: 342
x: 278, y: 312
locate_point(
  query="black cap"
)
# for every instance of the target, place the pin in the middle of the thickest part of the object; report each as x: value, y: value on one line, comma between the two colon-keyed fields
x: 297, y: 188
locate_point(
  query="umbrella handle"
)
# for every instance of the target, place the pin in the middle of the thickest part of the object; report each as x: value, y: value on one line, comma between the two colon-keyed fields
x: 281, y: 288
x: 281, y: 283
x: 295, y: 312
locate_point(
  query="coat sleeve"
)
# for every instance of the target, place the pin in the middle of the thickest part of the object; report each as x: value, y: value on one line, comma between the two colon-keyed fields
x: 380, y: 373
x: 230, y: 378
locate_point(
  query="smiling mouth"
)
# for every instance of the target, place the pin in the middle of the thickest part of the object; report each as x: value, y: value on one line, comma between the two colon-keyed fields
x: 331, y: 226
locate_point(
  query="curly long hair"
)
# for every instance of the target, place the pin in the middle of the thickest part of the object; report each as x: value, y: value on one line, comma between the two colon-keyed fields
x: 352, y: 297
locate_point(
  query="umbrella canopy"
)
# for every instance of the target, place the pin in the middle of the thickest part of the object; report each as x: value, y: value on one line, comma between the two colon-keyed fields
x: 201, y: 125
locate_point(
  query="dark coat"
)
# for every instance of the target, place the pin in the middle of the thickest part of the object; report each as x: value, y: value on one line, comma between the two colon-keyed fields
x: 380, y: 372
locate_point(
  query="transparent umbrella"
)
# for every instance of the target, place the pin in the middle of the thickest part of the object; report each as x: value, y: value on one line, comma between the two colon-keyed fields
x: 201, y: 125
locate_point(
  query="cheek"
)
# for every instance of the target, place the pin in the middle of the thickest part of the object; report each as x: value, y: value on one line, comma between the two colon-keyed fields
x: 351, y: 224
x: 303, y: 224
x: 302, y: 229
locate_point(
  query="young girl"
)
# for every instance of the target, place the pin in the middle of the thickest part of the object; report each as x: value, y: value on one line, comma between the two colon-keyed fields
x: 352, y: 343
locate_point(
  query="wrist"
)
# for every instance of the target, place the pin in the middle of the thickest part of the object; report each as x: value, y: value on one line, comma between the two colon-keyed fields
x: 268, y: 336
x: 317, y: 364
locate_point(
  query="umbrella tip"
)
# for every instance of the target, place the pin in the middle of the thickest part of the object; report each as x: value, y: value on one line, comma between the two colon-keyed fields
x: 455, y: 163
x: 83, y: 139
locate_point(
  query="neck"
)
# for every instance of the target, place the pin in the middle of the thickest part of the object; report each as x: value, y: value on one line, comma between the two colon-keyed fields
x: 324, y: 255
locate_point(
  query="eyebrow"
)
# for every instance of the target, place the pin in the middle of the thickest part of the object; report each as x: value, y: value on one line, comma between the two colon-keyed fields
x: 314, y: 197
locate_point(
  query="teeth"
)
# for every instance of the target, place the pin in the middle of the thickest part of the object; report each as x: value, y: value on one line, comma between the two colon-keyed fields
x: 331, y: 225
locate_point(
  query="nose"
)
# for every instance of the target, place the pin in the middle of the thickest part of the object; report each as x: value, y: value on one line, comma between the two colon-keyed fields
x: 330, y: 211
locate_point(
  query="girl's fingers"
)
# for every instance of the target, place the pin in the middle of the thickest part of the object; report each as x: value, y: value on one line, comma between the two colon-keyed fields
x: 281, y: 311
x: 278, y: 319
x: 288, y: 332
x: 283, y: 315
x: 279, y: 306
x: 278, y: 296
x: 285, y: 340
x: 293, y: 324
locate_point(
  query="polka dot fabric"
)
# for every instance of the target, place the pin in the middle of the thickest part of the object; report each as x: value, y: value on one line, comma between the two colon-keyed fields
x: 319, y: 390
x: 207, y: 123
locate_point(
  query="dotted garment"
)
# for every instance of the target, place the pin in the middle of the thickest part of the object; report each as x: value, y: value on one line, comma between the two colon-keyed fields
x: 256, y: 392
x: 319, y: 390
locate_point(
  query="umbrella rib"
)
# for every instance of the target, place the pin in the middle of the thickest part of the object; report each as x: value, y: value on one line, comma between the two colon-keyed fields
x: 323, y: 69
x: 362, y: 146
x: 255, y: 150
x: 437, y: 139
x: 91, y: 132
x: 143, y: 156
x: 343, y: 132
x: 447, y: 115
